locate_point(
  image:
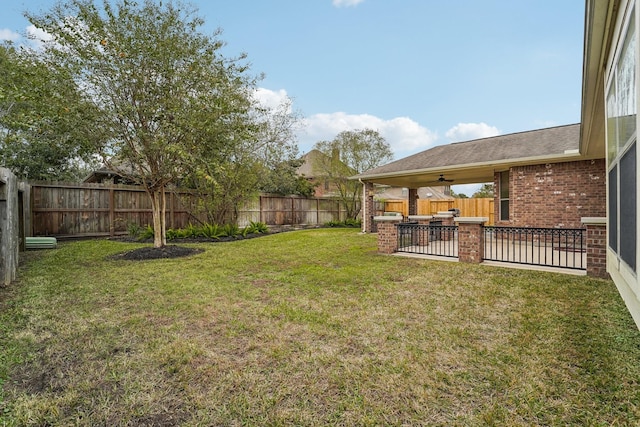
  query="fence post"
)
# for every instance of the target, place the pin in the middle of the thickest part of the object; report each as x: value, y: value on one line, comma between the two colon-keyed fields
x: 596, y: 246
x: 471, y: 239
x: 387, y: 233
x: 9, y: 228
x: 112, y: 211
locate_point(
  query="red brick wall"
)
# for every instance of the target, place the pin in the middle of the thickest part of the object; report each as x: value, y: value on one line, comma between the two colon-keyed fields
x: 388, y: 236
x: 554, y: 194
x: 597, y: 251
x: 470, y: 243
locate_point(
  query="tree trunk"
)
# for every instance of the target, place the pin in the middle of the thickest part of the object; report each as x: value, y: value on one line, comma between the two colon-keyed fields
x: 155, y: 196
x: 163, y: 217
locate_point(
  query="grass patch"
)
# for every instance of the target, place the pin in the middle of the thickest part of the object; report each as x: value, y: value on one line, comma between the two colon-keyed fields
x: 309, y: 328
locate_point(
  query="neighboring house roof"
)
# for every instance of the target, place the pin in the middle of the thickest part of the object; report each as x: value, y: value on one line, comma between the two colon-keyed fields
x: 310, y: 167
x: 476, y: 161
x: 117, y: 174
x: 310, y: 159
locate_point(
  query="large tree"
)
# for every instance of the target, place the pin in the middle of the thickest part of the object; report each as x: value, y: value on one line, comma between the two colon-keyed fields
x: 348, y: 154
x: 169, y: 103
x: 41, y: 114
x: 228, y: 175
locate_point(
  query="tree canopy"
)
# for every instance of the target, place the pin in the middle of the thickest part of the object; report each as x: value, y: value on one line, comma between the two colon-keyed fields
x: 348, y: 154
x: 165, y: 104
x: 41, y: 116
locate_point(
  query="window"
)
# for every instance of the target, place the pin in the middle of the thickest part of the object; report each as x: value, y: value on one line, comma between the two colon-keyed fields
x: 621, y: 149
x: 504, y: 196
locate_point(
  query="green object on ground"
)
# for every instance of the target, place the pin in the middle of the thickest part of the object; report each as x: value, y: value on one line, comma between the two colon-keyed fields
x: 40, y: 243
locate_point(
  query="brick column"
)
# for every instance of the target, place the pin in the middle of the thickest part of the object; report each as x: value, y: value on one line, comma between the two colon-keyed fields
x: 413, y: 201
x: 387, y: 233
x: 596, y: 247
x: 471, y: 239
x: 368, y: 211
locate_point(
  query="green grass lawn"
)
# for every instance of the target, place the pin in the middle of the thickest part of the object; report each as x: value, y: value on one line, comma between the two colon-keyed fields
x: 309, y: 328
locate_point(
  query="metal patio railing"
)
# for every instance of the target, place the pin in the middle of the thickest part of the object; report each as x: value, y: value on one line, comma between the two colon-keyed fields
x: 553, y: 247
x: 437, y: 240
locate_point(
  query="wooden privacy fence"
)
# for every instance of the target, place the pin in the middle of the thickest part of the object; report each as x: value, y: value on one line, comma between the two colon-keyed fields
x: 468, y: 207
x: 85, y: 210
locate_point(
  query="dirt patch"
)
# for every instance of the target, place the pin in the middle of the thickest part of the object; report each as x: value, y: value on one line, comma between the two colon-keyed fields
x: 169, y: 251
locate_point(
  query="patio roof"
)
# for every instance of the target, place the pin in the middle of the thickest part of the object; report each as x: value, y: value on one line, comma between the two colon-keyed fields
x: 476, y: 161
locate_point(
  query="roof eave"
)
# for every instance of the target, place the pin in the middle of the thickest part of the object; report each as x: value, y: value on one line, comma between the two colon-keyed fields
x: 495, y: 164
x: 599, y: 24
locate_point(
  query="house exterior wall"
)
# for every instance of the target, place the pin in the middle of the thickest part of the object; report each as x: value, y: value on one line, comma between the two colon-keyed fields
x: 555, y: 195
x: 621, y: 103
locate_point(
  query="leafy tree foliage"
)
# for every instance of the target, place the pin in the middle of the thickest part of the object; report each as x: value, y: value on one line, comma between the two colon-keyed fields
x: 486, y: 191
x: 229, y: 174
x: 348, y: 154
x: 283, y: 179
x: 41, y: 113
x: 168, y: 106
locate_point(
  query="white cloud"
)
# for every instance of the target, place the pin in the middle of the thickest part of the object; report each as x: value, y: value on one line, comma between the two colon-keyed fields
x: 7, y: 34
x: 470, y: 131
x: 404, y: 135
x: 346, y: 3
x: 37, y: 36
x: 270, y: 98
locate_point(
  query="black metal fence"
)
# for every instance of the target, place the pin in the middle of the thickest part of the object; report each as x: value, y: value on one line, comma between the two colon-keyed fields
x: 554, y: 247
x: 439, y: 240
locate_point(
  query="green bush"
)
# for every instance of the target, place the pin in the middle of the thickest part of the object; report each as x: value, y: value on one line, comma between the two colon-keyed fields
x: 256, y: 228
x: 191, y: 231
x: 133, y: 229
x: 231, y: 230
x: 212, y: 231
x: 147, y: 232
x: 349, y: 223
x: 173, y: 234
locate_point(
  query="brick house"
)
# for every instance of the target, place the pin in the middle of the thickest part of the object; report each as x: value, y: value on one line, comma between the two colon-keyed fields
x: 313, y: 170
x: 540, y: 177
x: 559, y: 177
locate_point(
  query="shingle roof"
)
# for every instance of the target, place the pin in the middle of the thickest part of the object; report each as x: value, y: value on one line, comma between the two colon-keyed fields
x: 542, y: 143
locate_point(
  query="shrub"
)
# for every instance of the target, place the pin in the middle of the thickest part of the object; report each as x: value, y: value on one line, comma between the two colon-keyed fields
x: 256, y: 228
x: 191, y: 231
x: 212, y: 231
x: 133, y: 229
x: 173, y: 234
x: 147, y: 232
x: 350, y: 223
x: 231, y: 230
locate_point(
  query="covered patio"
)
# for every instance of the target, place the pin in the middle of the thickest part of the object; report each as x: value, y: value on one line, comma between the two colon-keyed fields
x: 541, y: 182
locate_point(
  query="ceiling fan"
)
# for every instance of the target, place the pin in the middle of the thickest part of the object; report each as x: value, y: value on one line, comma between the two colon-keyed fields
x: 442, y: 179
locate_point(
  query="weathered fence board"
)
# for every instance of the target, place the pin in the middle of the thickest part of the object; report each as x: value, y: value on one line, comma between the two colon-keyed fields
x: 67, y: 210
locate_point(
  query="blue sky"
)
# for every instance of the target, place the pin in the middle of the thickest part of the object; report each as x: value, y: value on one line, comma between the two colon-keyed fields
x: 421, y: 72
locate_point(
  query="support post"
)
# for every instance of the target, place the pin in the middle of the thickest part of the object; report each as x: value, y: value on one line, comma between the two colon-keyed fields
x: 387, y: 233
x: 471, y: 239
x: 413, y: 201
x: 596, y: 247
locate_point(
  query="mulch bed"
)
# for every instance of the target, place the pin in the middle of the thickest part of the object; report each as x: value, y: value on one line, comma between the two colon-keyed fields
x: 149, y: 252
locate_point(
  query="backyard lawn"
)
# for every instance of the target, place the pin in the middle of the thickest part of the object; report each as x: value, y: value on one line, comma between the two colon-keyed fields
x: 309, y: 328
